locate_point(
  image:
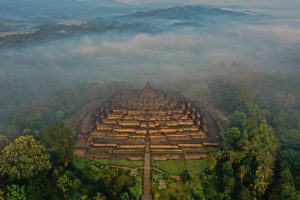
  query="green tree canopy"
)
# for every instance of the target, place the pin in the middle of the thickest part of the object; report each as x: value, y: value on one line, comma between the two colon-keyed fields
x: 24, y: 158
x: 16, y: 192
x: 99, y: 196
x: 61, y: 139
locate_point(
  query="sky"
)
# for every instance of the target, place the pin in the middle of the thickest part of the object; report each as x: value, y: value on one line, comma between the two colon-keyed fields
x: 241, y: 3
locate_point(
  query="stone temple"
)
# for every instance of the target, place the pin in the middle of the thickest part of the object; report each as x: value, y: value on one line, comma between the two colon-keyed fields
x: 166, y: 124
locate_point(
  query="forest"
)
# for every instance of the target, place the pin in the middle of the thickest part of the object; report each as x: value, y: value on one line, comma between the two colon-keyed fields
x: 259, y: 157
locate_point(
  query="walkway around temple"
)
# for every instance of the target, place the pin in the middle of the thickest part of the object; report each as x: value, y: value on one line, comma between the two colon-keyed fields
x: 147, y: 177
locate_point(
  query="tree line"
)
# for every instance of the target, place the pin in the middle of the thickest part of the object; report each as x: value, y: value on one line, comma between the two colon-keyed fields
x: 255, y: 160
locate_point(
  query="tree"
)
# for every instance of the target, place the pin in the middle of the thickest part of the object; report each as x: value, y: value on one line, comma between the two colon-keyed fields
x: 99, y: 196
x: 61, y: 139
x: 1, y: 194
x: 24, y: 159
x: 232, y: 137
x: 185, y: 176
x: 84, y: 197
x: 244, y: 164
x: 245, y: 194
x: 124, y: 196
x: 64, y: 183
x: 287, y: 189
x: 16, y: 192
x: 211, y: 163
x: 3, y: 141
x: 242, y: 171
x: 261, y: 181
x: 40, y: 188
x: 263, y: 150
x: 136, y: 190
x: 228, y: 177
x: 238, y: 119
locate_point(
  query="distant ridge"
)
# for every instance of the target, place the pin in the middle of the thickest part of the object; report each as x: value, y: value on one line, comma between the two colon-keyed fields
x: 186, y: 12
x: 57, y: 8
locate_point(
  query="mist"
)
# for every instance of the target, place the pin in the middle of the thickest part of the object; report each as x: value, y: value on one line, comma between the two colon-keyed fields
x: 177, y: 50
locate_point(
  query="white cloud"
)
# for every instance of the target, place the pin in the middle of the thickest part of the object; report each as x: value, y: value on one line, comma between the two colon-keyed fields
x: 189, y: 53
x: 281, y: 33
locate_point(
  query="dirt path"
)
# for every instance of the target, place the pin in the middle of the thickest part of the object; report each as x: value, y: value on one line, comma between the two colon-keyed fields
x: 147, y: 178
x: 147, y: 171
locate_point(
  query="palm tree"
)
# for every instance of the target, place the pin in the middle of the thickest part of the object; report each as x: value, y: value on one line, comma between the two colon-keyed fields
x: 99, y: 196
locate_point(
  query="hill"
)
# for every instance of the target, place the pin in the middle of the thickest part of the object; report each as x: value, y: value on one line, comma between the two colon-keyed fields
x: 57, y: 8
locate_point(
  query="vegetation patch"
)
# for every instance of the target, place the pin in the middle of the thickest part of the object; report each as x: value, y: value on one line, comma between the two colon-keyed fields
x: 170, y: 166
x: 177, y: 167
x: 163, y: 187
x: 123, y: 162
x: 113, y: 182
x: 81, y: 162
x: 196, y: 167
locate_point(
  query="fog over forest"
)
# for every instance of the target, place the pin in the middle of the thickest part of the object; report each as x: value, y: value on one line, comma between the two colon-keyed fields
x: 150, y: 41
x: 150, y: 99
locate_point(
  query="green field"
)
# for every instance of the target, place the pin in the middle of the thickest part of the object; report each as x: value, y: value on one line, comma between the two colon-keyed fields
x: 176, y: 167
x: 170, y: 166
x: 80, y: 162
x: 196, y: 167
x: 123, y: 162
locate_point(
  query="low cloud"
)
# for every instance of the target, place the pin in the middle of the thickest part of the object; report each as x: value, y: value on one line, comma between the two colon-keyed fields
x: 172, y: 54
x: 189, y: 55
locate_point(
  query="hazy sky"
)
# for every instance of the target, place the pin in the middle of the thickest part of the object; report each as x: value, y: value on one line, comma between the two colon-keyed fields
x: 242, y: 3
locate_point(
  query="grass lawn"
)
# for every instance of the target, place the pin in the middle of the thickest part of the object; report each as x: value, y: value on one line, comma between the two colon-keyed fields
x: 196, y: 167
x: 121, y: 162
x: 127, y: 163
x: 170, y: 166
x: 176, y: 167
x: 80, y: 163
